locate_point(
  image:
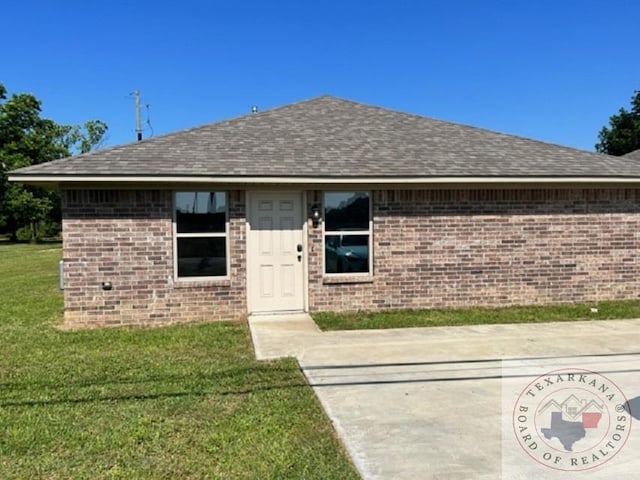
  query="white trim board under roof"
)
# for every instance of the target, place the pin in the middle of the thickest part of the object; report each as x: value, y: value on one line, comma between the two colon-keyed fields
x: 122, y: 181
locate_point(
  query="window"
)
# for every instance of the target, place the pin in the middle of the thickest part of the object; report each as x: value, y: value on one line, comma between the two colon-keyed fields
x: 201, y: 234
x: 347, y: 232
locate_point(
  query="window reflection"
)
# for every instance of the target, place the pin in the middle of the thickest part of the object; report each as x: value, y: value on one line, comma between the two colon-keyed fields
x: 346, y: 253
x: 346, y: 211
x: 200, y: 212
x: 202, y: 257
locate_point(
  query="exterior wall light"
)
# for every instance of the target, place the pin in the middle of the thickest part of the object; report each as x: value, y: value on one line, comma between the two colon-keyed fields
x: 316, y: 216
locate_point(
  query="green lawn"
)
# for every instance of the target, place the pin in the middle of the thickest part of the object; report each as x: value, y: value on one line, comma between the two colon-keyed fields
x: 475, y: 316
x: 184, y: 402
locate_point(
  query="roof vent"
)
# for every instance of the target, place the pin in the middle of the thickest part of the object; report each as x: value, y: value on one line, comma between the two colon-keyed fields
x: 254, y: 109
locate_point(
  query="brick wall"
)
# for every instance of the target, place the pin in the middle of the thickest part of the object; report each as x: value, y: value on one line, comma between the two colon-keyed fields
x: 431, y: 248
x: 442, y: 248
x: 125, y: 237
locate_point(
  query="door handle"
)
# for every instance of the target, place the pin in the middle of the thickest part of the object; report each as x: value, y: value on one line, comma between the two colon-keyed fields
x: 299, y: 247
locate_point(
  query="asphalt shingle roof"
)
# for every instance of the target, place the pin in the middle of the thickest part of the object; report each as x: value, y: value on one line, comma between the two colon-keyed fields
x: 635, y: 155
x: 329, y: 137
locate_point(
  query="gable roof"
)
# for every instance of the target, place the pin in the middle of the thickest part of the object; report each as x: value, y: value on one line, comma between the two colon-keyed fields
x: 335, y: 140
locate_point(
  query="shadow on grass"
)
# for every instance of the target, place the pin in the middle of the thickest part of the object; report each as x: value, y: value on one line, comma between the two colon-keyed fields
x: 148, y: 396
x: 84, y: 383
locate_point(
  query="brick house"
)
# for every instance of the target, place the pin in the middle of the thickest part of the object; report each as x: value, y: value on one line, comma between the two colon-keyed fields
x: 329, y: 204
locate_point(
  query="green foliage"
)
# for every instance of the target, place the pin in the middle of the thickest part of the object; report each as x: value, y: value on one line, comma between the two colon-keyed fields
x: 28, y: 139
x: 622, y: 136
x: 605, y: 310
x: 24, y: 234
x: 50, y: 229
x: 26, y: 206
x: 183, y: 402
x: 86, y: 138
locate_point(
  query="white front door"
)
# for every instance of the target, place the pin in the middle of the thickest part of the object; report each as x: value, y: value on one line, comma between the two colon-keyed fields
x: 275, y: 252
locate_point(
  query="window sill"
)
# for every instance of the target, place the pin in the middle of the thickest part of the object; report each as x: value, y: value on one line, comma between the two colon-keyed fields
x: 209, y: 282
x: 342, y: 279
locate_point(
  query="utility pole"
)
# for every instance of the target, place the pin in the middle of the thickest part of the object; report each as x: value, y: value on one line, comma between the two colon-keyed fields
x: 136, y: 93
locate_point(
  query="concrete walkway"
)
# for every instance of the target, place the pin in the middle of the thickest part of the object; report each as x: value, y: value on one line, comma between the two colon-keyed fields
x: 437, y: 403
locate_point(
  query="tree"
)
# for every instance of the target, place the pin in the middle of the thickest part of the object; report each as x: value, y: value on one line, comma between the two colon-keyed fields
x: 86, y: 138
x: 28, y: 139
x: 623, y: 134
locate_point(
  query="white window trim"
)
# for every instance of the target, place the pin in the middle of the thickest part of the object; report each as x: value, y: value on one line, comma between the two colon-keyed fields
x: 368, y: 232
x: 224, y: 234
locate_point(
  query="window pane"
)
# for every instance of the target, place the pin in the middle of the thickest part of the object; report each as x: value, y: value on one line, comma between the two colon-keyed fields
x: 346, y: 253
x: 346, y: 211
x: 202, y: 257
x: 198, y: 212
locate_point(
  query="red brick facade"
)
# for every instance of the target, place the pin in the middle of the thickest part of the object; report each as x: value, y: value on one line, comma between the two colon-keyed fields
x: 456, y: 248
x: 431, y: 248
x: 125, y: 237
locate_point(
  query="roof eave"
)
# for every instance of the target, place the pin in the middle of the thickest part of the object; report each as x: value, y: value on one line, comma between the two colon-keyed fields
x: 168, y: 180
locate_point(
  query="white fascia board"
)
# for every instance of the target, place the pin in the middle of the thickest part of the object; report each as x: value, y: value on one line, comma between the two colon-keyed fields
x: 57, y: 179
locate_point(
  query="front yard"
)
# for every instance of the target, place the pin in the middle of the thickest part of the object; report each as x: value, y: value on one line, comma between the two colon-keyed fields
x: 181, y: 402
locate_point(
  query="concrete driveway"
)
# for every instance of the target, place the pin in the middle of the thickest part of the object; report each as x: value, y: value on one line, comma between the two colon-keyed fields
x: 439, y: 403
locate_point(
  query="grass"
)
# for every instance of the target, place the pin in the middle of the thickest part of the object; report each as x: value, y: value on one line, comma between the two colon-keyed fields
x: 187, y: 402
x: 475, y: 316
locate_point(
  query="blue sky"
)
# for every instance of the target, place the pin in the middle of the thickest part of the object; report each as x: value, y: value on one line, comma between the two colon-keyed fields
x: 553, y: 70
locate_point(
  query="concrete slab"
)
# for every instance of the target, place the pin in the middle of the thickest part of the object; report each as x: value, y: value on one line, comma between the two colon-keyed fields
x: 437, y: 403
x: 282, y: 335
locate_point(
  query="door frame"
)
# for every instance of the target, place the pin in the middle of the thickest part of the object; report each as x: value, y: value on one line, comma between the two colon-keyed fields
x: 249, y: 198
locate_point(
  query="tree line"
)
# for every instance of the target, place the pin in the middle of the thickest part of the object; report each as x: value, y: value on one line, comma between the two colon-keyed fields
x: 26, y: 139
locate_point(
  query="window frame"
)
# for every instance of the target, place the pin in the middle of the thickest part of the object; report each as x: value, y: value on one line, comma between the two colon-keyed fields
x: 368, y: 232
x: 177, y: 235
